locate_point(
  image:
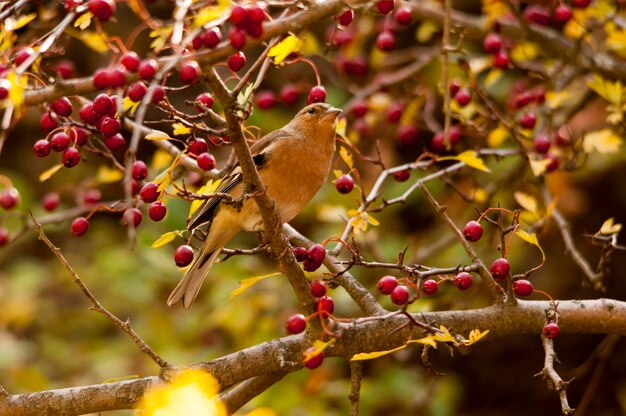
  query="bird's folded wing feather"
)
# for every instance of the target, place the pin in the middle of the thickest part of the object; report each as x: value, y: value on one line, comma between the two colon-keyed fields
x: 260, y: 151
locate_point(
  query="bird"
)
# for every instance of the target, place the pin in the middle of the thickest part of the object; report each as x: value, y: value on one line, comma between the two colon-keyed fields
x: 293, y: 163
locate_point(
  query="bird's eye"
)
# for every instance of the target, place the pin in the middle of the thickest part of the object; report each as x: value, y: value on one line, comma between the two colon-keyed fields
x: 312, y: 110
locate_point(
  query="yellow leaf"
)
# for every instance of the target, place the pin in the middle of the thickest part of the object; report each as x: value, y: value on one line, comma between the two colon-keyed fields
x: 262, y: 411
x: 341, y: 127
x: 207, y: 189
x: 610, y: 91
x: 371, y: 355
x: 94, y: 40
x: 160, y: 35
x: 180, y: 129
x: 191, y: 392
x: 246, y: 283
x: 494, y: 75
x: 497, y: 136
x: 166, y: 238
x: 409, y: 115
x: 310, y: 45
x: 129, y: 105
x: 210, y: 13
x: 470, y: 158
x: 108, y: 175
x: 359, y: 220
x: 494, y: 10
x: 475, y: 336
x: 531, y: 239
x: 528, y: 202
x: 480, y: 64
x: 285, y: 48
x: 11, y: 24
x: 83, y: 21
x: 160, y: 160
x: 556, y: 99
x: 574, y: 29
x: 539, y: 166
x: 604, y: 141
x: 16, y: 91
x: 429, y: 340
x: 347, y: 157
x: 337, y: 173
x: 47, y: 174
x: 616, y: 41
x: 426, y: 30
x: 163, y: 180
x: 608, y: 228
x: 444, y: 336
x: 158, y: 135
x: 319, y: 346
x: 525, y: 51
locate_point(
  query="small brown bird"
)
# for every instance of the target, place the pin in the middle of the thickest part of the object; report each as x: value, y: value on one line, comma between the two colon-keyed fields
x: 293, y: 163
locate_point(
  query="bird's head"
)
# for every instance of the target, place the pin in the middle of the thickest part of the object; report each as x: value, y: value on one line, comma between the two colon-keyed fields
x: 316, y: 117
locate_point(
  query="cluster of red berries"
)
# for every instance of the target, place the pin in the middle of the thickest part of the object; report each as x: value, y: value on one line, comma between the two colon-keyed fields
x: 560, y: 15
x: 311, y: 258
x: 461, y: 95
x: 9, y: 198
x: 288, y: 95
x: 494, y: 44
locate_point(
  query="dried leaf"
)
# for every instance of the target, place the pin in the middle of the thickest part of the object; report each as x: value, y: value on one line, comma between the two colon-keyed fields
x: 609, y: 228
x: 157, y: 135
x: 372, y: 355
x: 475, y: 336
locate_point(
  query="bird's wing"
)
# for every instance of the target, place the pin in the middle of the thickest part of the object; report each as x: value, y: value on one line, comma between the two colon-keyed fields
x: 260, y: 151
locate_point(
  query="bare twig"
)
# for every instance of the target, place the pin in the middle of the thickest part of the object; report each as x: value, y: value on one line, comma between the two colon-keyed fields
x: 238, y: 396
x: 554, y: 380
x: 356, y: 374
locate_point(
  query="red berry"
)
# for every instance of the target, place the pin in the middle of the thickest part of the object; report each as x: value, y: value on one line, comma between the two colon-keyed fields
x: 296, y: 323
x: 289, y: 94
x: 326, y: 303
x: 346, y: 18
x: 255, y: 29
x: 256, y: 14
x: 402, y: 175
x: 71, y: 157
x: 318, y: 288
x: 523, y: 99
x: 463, y: 281
x: 455, y: 87
x: 147, y: 69
x: 400, y: 295
x: 437, y: 144
x: 312, y: 361
x: 157, y: 211
x: 236, y: 61
x: 528, y: 120
x: 522, y: 287
x: 41, y: 148
x: 266, y: 100
x: 455, y: 134
x: 110, y: 126
x: 212, y: 37
x: 50, y: 201
x: 492, y: 43
x: 404, y: 16
x: 48, y: 122
x: 501, y: 60
x: 117, y: 77
x: 158, y: 93
x: 206, y: 161
x: 551, y: 330
x: 310, y: 265
x: 102, y: 9
x: 115, y: 143
x: 149, y: 192
x: 317, y: 253
x: 62, y: 106
x: 4, y: 236
x: 189, y: 72
x: 65, y: 69
x: 300, y: 253
x: 239, y: 16
x: 92, y: 196
x: 581, y: 4
x: 79, y: 226
x: 130, y: 60
x: 386, y: 41
x: 72, y: 4
x: 196, y: 42
x: 537, y: 14
x: 79, y: 135
x: 562, y: 14
x: 554, y: 162
x: 22, y: 55
x: 5, y: 87
x: 103, y: 105
x: 205, y: 99
x: 59, y: 142
x: 183, y: 255
x: 198, y: 146
x: 387, y: 284
x: 9, y: 199
x: 237, y: 38
x: 407, y: 134
x: 473, y: 231
x: 136, y: 91
x: 132, y: 215
x: 542, y: 143
x: 139, y: 170
x: 394, y: 112
x: 101, y: 79
x: 316, y: 95
x: 463, y: 97
x: 344, y: 184
x: 385, y: 6
x: 87, y: 114
x: 500, y: 269
x: 430, y: 287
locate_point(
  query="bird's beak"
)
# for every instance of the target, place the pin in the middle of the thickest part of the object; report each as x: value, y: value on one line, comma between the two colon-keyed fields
x: 332, y: 113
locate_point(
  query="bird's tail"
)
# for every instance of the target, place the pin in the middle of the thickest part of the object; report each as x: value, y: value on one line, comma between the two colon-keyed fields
x: 190, y: 284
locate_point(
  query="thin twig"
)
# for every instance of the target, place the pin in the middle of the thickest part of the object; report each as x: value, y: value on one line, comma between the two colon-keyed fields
x: 123, y: 325
x: 554, y: 380
x: 356, y: 375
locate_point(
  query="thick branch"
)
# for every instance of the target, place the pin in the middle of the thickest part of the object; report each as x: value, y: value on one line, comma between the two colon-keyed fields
x: 601, y: 316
